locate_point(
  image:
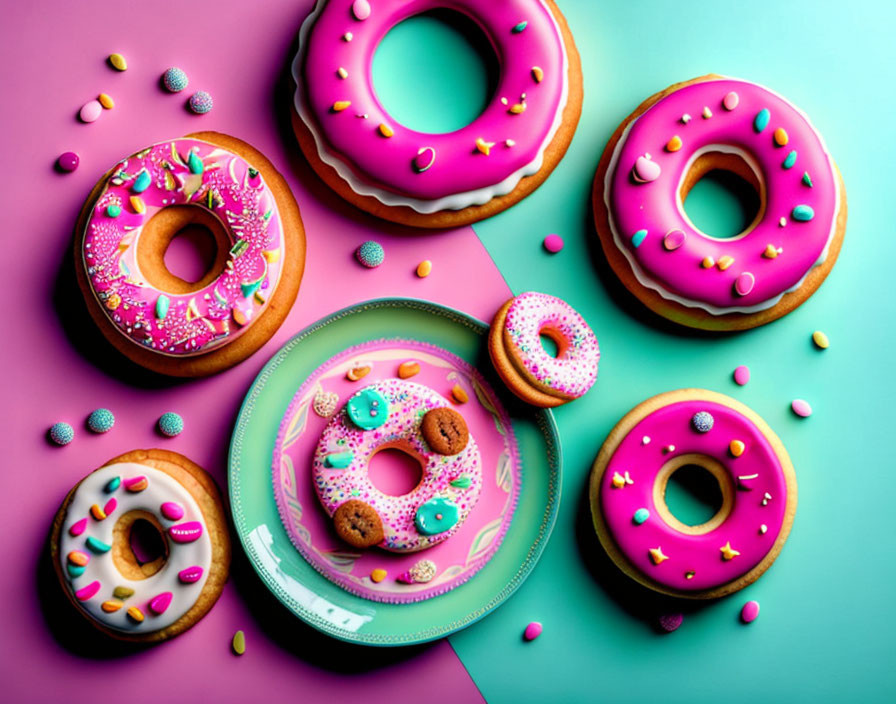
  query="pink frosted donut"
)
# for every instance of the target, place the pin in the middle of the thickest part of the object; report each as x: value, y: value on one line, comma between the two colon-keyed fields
x: 684, y: 273
x: 516, y: 338
x: 756, y: 478
x: 388, y: 414
x: 385, y: 167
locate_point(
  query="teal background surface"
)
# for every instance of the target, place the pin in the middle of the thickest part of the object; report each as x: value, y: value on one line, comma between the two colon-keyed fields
x: 825, y: 632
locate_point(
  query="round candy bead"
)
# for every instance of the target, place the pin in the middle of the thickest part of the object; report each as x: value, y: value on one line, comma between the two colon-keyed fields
x: 742, y: 375
x: 370, y: 254
x: 101, y: 420
x: 201, y: 102
x: 749, y: 612
x: 62, y: 433
x: 171, y: 424
x: 670, y: 622
x: 702, y: 422
x: 175, y: 79
x: 118, y: 62
x: 68, y: 161
x: 801, y: 408
x: 533, y: 630
x: 553, y: 243
x: 90, y: 111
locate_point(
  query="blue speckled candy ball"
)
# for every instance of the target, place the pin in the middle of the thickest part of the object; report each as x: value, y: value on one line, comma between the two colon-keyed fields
x: 371, y: 254
x: 175, y: 79
x: 62, y: 433
x: 702, y: 422
x: 201, y: 102
x: 101, y: 420
x: 171, y: 424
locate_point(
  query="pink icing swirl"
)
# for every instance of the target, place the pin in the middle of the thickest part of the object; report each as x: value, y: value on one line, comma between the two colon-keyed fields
x: 183, y: 172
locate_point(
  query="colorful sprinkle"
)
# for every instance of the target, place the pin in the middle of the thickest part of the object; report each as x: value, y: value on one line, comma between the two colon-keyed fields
x: 742, y: 375
x: 761, y: 120
x: 484, y: 147
x: 361, y: 10
x: 807, y: 179
x: 194, y: 163
x: 458, y: 395
x: 342, y: 73
x: 190, y: 575
x: 101, y: 420
x: 136, y: 484
x: 780, y: 137
x: 789, y: 161
x: 113, y: 210
x: 112, y: 485
x: 426, y: 157
x: 801, y: 408
x: 97, y: 546
x: 553, y: 243
x: 641, y: 515
x: 378, y: 575
x: 645, y: 170
x: 638, y: 238
x: 106, y: 101
x: 674, y: 239
x: 424, y: 268
x: 111, y: 606
x: 674, y: 144
x: 61, y: 433
x: 702, y: 421
x: 135, y: 614
x: 347, y: 37
x: 657, y: 556
x: 87, y: 592
x: 371, y: 254
x: 671, y: 622
x: 744, y: 283
x: 736, y: 448
x: 137, y: 204
x: 645, y: 440
x: 708, y: 262
x: 782, y: 222
x: 97, y: 512
x: 201, y: 102
x: 141, y: 183
x: 707, y: 113
x: 186, y: 532
x: 538, y: 74
x: 533, y: 630
x: 117, y: 61
x: 385, y: 130
x: 78, y: 558
x: 728, y: 552
x: 160, y: 603
x: 770, y: 252
x: 685, y: 119
x: 175, y: 79
x: 172, y: 511
x: 358, y: 372
x: 78, y: 528
x: 730, y: 101
x: 724, y: 262
x: 91, y: 111
x: 339, y: 460
x: 170, y: 424
x: 122, y: 592
x: 803, y: 213
x: 520, y: 27
x: 749, y: 612
x: 340, y: 105
x: 821, y: 340
x: 238, y: 643
x: 68, y: 161
x: 462, y: 481
x: 763, y: 529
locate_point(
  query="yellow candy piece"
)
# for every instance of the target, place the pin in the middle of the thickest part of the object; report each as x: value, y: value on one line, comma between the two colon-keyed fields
x: 106, y: 101
x: 408, y: 369
x: 341, y: 105
x: 618, y: 480
x: 271, y: 255
x: 138, y: 205
x: 674, y: 144
x: 483, y: 146
x: 385, y: 130
x: 781, y: 137
x: 356, y: 373
x: 657, y: 556
x: 239, y: 317
x: 97, y: 512
x: 708, y: 263
x: 113, y: 301
x: 118, y: 62
x: 537, y: 74
x: 135, y: 614
x: 378, y: 575
x: 239, y: 643
x: 122, y: 592
x: 111, y: 606
x: 770, y: 252
x: 821, y: 340
x: 736, y: 448
x: 458, y: 395
x: 517, y: 108
x: 724, y: 262
x: 424, y: 268
x: 728, y: 552
x: 341, y: 72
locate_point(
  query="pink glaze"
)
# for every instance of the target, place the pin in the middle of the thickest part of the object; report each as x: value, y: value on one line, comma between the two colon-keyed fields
x: 227, y: 186
x: 700, y: 554
x: 185, y: 532
x: 573, y: 371
x: 643, y: 194
x: 458, y: 174
x: 408, y: 402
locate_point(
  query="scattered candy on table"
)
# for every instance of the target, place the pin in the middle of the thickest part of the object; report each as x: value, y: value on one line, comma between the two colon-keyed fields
x: 106, y: 101
x: 118, y: 62
x: 750, y: 611
x: 68, y: 161
x: 377, y: 575
x: 171, y: 424
x: 239, y: 643
x: 821, y: 340
x: 62, y: 433
x: 533, y: 630
x: 90, y: 111
x: 741, y: 375
x: 424, y: 268
x: 370, y: 254
x: 201, y: 102
x: 175, y: 79
x: 670, y: 622
x: 801, y: 408
x: 553, y: 243
x: 101, y: 420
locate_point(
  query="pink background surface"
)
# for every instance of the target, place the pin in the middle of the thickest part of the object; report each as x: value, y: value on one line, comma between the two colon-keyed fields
x: 59, y: 368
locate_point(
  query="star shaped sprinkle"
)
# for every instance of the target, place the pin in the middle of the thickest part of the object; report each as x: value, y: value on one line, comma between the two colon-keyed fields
x: 656, y: 554
x: 728, y: 552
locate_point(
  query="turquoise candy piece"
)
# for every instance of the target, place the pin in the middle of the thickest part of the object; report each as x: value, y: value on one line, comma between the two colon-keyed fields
x: 251, y: 287
x: 436, y: 516
x: 638, y: 238
x: 761, y: 121
x: 195, y: 164
x: 641, y: 515
x: 462, y: 481
x: 368, y: 409
x: 520, y: 27
x: 803, y: 213
x: 790, y: 160
x: 171, y: 424
x: 339, y: 460
x: 97, y: 546
x: 141, y: 183
x: 807, y: 179
x: 113, y: 211
x: 62, y: 433
x: 75, y: 570
x: 162, y: 305
x: 112, y: 485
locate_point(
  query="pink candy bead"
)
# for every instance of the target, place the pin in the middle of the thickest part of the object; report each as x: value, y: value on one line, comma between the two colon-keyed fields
x: 741, y: 375
x: 91, y: 111
x: 553, y: 243
x: 750, y: 611
x: 533, y: 630
x: 68, y: 161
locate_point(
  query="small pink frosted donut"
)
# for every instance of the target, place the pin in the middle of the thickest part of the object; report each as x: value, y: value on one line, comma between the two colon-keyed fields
x: 449, y: 488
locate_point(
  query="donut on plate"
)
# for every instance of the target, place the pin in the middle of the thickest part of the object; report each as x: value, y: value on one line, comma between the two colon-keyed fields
x: 424, y: 179
x: 530, y: 372
x: 157, y: 319
x: 414, y: 419
x: 127, y: 592
x: 751, y: 466
x: 668, y: 144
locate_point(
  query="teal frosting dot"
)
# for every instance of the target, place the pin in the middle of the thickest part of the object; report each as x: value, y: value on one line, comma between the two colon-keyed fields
x: 62, y: 433
x: 171, y: 424
x: 339, y: 460
x: 368, y: 409
x: 371, y: 254
x: 141, y: 183
x: 638, y: 238
x: 641, y: 515
x: 112, y: 485
x: 113, y: 211
x: 790, y: 160
x: 761, y: 121
x: 101, y: 420
x: 436, y: 516
x: 803, y: 213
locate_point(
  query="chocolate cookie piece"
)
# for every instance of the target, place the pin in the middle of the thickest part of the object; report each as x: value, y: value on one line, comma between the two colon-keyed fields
x: 445, y: 431
x: 358, y: 524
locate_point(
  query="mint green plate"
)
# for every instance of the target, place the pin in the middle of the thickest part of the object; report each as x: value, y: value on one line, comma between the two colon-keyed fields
x: 285, y: 572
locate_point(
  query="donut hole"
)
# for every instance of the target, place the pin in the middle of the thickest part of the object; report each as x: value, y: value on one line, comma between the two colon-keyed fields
x: 693, y: 493
x: 139, y: 546
x: 395, y: 471
x: 722, y: 196
x: 418, y: 88
x: 182, y: 249
x: 552, y: 341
